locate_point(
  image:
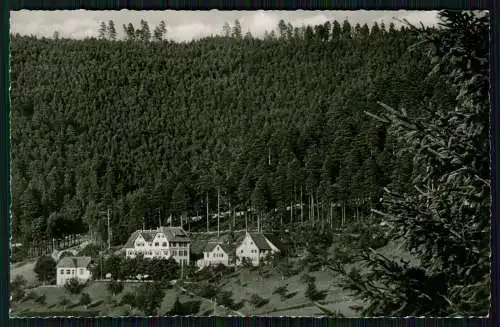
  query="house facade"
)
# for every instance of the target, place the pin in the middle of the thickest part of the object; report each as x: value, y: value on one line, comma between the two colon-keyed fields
x: 254, y: 247
x: 216, y: 253
x: 162, y: 243
x: 73, y: 267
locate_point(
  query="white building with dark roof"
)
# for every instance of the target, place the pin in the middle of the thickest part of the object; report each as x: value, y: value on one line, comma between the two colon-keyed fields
x: 254, y: 247
x: 73, y: 267
x: 163, y: 243
x: 216, y: 253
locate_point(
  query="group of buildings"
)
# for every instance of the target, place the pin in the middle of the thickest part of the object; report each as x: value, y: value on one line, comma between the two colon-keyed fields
x: 174, y: 242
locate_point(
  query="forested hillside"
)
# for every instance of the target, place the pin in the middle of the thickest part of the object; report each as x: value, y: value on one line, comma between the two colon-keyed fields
x: 152, y: 129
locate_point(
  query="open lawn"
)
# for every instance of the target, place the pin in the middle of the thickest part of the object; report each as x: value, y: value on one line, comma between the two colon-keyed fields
x: 24, y: 269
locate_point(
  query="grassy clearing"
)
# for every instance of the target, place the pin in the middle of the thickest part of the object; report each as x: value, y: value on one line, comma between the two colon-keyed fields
x: 24, y: 269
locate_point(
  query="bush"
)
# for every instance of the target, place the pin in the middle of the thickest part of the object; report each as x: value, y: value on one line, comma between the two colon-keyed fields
x: 225, y: 298
x: 128, y: 299
x: 73, y: 286
x: 64, y: 301
x: 282, y: 292
x: 184, y: 309
x: 41, y: 299
x: 115, y: 287
x: 149, y: 297
x: 45, y: 269
x: 257, y: 301
x: 313, y: 294
x: 85, y: 299
x: 307, y: 279
x: 208, y: 291
x: 17, y: 288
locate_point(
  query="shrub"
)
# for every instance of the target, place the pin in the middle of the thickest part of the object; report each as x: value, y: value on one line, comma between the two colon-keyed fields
x: 225, y: 298
x: 73, y: 286
x: 17, y: 288
x: 128, y: 299
x: 85, y: 299
x: 45, y: 269
x: 149, y: 297
x: 313, y: 294
x: 184, y: 309
x: 208, y: 291
x: 257, y: 301
x: 64, y: 301
x: 115, y: 287
x: 307, y: 279
x: 280, y: 290
x: 41, y: 299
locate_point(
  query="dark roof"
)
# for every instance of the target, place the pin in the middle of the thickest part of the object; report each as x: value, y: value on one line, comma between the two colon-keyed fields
x: 148, y: 235
x: 210, y: 246
x: 276, y: 241
x: 74, y: 262
x: 230, y: 249
x: 131, y: 239
x: 175, y: 234
x: 260, y: 241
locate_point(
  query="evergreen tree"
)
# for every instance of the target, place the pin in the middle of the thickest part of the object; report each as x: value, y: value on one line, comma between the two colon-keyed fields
x: 111, y: 30
x: 103, y: 30
x: 145, y: 33
x: 282, y: 29
x: 226, y: 30
x: 237, y: 30
x: 444, y: 222
x: 129, y: 32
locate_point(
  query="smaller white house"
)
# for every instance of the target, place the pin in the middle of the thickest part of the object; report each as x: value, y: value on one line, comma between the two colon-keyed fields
x: 254, y: 247
x: 73, y: 267
x: 216, y: 253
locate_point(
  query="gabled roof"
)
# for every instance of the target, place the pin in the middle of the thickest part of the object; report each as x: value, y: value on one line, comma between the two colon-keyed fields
x: 74, y: 262
x: 227, y: 248
x: 132, y: 238
x: 275, y: 240
x: 260, y: 241
x: 174, y: 234
x: 148, y: 235
x: 210, y: 246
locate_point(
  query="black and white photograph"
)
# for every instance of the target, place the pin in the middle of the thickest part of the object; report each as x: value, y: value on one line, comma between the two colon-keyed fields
x: 250, y: 163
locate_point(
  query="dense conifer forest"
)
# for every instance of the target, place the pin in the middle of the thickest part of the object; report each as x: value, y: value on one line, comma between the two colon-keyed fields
x: 151, y: 128
x: 382, y: 131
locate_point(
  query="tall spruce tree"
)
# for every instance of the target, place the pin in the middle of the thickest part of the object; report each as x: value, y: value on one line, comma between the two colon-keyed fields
x: 444, y: 221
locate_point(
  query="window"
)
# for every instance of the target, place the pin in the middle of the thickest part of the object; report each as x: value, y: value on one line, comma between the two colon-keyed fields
x: 157, y: 244
x: 61, y: 271
x: 164, y: 244
x: 68, y: 271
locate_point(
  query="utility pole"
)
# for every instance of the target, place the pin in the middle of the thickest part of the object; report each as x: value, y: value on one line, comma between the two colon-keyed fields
x: 218, y: 213
x: 109, y: 231
x: 208, y: 222
x: 246, y: 221
x: 159, y: 218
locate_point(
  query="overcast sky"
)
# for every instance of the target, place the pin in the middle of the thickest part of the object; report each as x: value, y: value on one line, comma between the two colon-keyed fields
x: 188, y: 25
